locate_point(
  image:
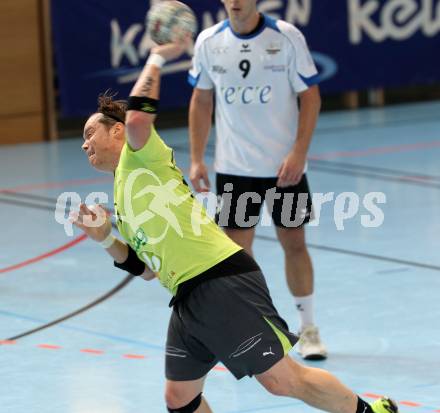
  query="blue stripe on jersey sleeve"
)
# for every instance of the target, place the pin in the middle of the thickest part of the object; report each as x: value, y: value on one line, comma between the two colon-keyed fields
x: 271, y: 23
x: 193, y: 80
x: 224, y: 26
x: 310, y: 81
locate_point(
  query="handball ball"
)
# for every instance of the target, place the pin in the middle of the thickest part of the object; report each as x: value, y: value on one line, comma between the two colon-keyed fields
x: 169, y: 20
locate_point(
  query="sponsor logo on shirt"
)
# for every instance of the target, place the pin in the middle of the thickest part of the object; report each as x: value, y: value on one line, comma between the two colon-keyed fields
x: 275, y: 68
x: 245, y: 48
x: 139, y: 240
x: 246, y: 94
x: 273, y: 48
x: 220, y: 50
x: 219, y: 69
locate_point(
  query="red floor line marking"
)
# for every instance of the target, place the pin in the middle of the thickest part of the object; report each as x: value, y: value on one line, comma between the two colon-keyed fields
x: 45, y: 255
x: 134, y: 356
x: 60, y: 184
x: 376, y: 151
x: 49, y: 346
x: 372, y: 395
x: 411, y: 404
x: 7, y: 342
x: 218, y: 368
x: 91, y: 351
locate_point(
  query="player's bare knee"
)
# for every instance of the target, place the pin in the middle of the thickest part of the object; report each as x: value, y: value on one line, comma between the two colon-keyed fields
x: 176, y: 396
x: 172, y: 399
x: 294, y: 246
x: 292, y: 241
x: 295, y: 249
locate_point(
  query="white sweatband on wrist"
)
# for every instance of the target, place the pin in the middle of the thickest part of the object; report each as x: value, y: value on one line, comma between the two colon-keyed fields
x: 109, y: 241
x: 156, y: 60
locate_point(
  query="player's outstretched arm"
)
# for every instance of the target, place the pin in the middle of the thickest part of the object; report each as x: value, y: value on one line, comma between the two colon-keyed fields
x: 144, y: 97
x: 200, y: 115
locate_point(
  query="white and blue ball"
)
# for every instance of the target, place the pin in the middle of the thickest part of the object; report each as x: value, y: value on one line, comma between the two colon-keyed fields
x: 170, y: 20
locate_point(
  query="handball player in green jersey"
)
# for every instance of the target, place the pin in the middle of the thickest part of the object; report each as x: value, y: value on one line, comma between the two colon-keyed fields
x: 222, y: 310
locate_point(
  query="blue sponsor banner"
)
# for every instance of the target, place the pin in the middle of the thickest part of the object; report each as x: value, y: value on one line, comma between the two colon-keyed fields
x: 356, y: 44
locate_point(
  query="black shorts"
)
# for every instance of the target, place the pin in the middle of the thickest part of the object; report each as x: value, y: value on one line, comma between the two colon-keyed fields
x: 241, y: 198
x: 228, y: 319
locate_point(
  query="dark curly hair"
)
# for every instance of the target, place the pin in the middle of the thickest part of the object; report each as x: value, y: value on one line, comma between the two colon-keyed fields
x: 113, y: 110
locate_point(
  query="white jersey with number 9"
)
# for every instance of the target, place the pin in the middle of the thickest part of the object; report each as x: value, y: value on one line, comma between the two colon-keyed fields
x: 256, y: 80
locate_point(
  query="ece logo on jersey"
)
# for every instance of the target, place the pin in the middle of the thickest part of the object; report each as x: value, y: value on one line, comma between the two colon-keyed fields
x: 247, y: 95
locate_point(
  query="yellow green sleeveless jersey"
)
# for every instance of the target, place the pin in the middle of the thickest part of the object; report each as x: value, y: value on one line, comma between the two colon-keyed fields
x: 161, y: 220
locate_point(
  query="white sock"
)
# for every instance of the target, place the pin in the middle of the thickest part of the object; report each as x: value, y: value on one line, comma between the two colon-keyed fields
x: 304, y: 306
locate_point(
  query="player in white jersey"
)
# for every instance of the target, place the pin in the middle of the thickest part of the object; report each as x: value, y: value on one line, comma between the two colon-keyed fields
x: 257, y: 68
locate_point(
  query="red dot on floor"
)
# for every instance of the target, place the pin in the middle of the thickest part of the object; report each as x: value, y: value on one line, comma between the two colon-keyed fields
x: 134, y: 356
x: 7, y: 342
x: 372, y: 395
x: 411, y: 404
x: 91, y: 351
x: 49, y: 346
x: 219, y: 368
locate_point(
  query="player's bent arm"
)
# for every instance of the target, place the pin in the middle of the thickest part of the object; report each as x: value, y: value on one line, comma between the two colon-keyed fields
x: 126, y: 259
x: 118, y: 251
x: 144, y: 97
x: 138, y: 123
x: 310, y: 106
x: 200, y: 115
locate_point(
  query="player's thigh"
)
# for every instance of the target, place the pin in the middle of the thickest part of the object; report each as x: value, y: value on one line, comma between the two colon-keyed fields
x: 186, y: 358
x: 243, y: 237
x: 291, y: 239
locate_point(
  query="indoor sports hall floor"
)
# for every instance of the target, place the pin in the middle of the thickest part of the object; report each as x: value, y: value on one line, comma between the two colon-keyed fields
x: 377, y: 289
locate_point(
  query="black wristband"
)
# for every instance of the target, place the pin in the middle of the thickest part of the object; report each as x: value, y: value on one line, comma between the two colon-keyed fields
x: 143, y: 104
x: 133, y: 264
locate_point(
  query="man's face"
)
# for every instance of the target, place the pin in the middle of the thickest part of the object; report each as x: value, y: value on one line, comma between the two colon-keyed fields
x: 100, y: 144
x: 240, y: 10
